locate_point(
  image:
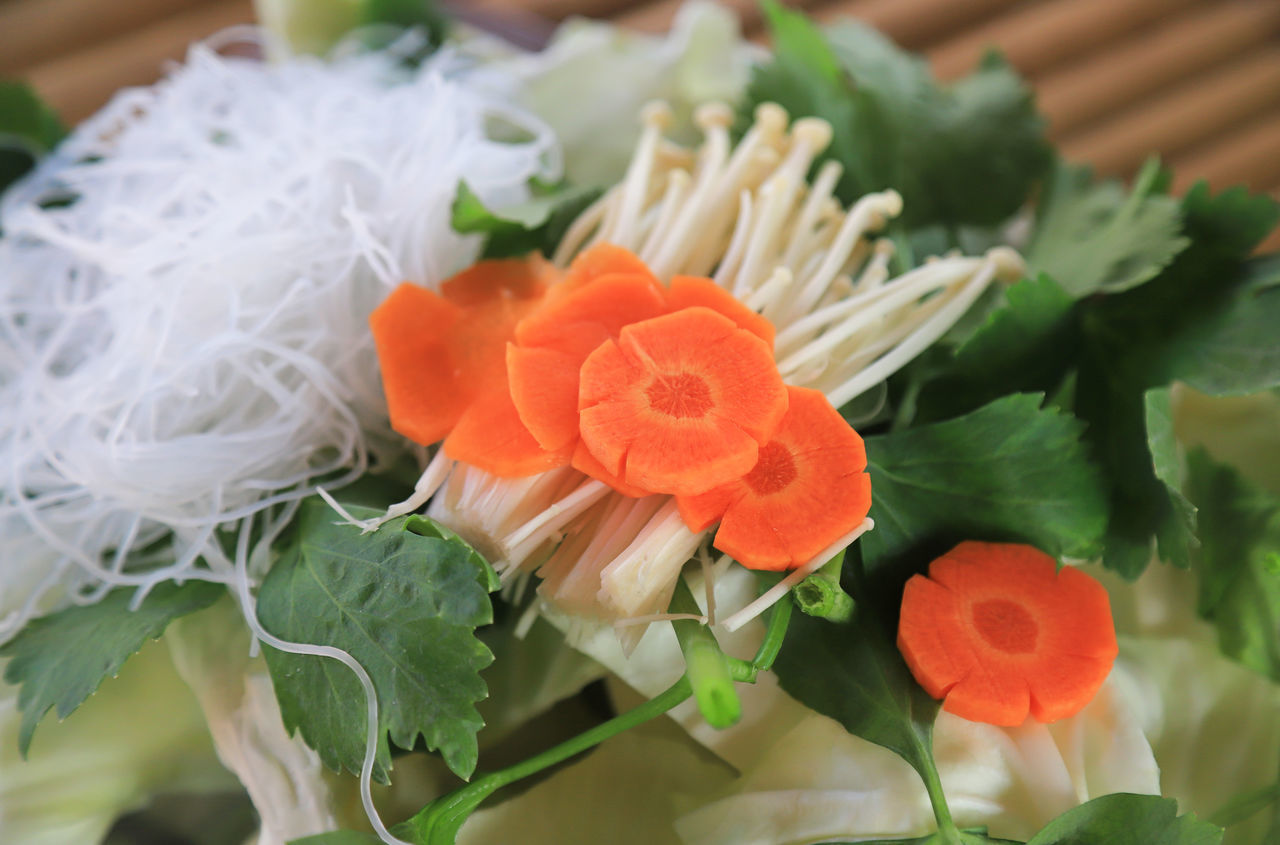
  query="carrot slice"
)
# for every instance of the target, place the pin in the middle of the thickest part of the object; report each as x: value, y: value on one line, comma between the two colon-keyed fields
x: 496, y: 295
x: 586, y: 463
x: 544, y: 390
x: 680, y: 403
x: 602, y: 259
x: 577, y: 322
x: 807, y: 489
x: 411, y: 330
x: 490, y: 436
x: 688, y: 291
x: 1000, y: 632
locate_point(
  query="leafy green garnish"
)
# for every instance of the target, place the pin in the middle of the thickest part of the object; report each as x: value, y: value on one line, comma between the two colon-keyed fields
x: 60, y: 659
x: 1011, y: 470
x: 1239, y: 537
x: 536, y: 225
x: 338, y: 837
x: 28, y: 130
x: 1091, y: 236
x: 964, y: 153
x: 1127, y: 819
x: 966, y: 837
x: 404, y: 601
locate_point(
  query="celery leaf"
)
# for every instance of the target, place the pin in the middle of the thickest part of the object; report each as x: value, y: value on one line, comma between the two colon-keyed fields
x: 1127, y: 819
x: 404, y: 601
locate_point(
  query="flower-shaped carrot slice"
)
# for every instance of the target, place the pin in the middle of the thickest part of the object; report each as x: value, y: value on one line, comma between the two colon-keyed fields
x: 439, y: 351
x: 808, y: 488
x: 688, y: 291
x: 490, y: 436
x: 1000, y: 631
x: 680, y: 403
x: 602, y: 259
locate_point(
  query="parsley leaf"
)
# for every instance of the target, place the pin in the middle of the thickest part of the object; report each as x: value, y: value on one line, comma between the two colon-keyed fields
x: 1010, y: 470
x: 60, y: 659
x: 404, y: 601
x: 1238, y: 562
x: 1094, y: 237
x: 536, y: 225
x: 1127, y: 819
x: 964, y: 153
x: 28, y: 130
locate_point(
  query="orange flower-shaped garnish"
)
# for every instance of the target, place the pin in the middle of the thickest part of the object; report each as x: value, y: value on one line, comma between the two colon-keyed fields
x: 807, y: 489
x: 443, y: 359
x: 680, y: 403
x: 1000, y: 631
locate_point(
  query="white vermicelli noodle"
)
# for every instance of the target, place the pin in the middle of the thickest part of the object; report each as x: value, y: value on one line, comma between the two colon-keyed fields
x: 184, y: 344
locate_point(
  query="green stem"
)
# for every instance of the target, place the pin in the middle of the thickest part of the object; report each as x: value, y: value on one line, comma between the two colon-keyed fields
x: 774, y: 634
x: 948, y: 833
x: 439, y: 822
x: 706, y: 666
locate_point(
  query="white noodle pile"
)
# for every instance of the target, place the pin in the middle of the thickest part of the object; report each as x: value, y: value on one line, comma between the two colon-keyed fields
x: 186, y: 345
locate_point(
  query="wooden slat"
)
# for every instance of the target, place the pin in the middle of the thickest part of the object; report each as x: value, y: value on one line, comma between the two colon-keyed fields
x: 1195, y: 111
x: 35, y: 31
x: 1039, y: 36
x: 915, y: 24
x: 1209, y: 34
x: 1248, y: 156
x: 79, y: 83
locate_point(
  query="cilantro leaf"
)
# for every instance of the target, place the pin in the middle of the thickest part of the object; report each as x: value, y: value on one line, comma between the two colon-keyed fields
x: 1127, y: 819
x: 1093, y: 237
x: 1238, y: 562
x: 964, y: 153
x: 404, y: 601
x: 28, y: 130
x: 536, y: 225
x: 1010, y: 470
x: 62, y: 658
x: 852, y: 673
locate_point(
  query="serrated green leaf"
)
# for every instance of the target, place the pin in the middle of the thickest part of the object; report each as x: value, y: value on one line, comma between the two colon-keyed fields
x: 1176, y: 530
x: 28, y: 130
x: 1098, y: 237
x: 1240, y: 536
x: 535, y: 225
x: 1127, y: 819
x: 62, y: 658
x: 850, y: 672
x: 404, y: 601
x: 1010, y: 470
x: 964, y: 153
x: 1028, y: 344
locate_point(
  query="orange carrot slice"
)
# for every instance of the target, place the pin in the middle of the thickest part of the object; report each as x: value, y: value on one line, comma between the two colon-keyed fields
x: 602, y: 259
x: 680, y: 403
x: 1000, y: 632
x: 544, y: 390
x: 807, y: 489
x: 577, y: 322
x: 437, y: 351
x: 688, y: 291
x: 411, y: 330
x: 586, y: 463
x: 490, y: 436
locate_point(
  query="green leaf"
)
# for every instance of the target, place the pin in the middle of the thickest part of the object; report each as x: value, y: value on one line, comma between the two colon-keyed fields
x: 1095, y: 237
x: 964, y: 153
x: 1240, y: 545
x: 316, y: 26
x: 1028, y: 344
x: 62, y: 658
x: 1010, y: 470
x: 850, y: 672
x: 1176, y: 530
x: 536, y: 225
x: 1126, y: 819
x: 404, y: 601
x: 28, y: 130
x: 1232, y: 350
x: 967, y: 837
x: 338, y: 837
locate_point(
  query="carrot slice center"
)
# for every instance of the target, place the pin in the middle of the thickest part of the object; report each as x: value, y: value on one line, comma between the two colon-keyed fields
x: 774, y: 471
x: 680, y: 395
x: 1006, y: 626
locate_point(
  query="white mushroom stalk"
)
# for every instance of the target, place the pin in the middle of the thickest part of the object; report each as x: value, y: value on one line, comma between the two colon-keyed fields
x: 747, y: 217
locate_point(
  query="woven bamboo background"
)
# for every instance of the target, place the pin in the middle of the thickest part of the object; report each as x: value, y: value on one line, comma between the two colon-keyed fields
x: 1197, y: 81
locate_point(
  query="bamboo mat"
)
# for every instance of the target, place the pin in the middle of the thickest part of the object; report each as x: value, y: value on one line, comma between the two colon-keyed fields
x: 1196, y: 81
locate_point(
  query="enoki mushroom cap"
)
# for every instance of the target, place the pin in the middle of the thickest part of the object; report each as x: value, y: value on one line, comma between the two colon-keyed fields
x: 999, y: 631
